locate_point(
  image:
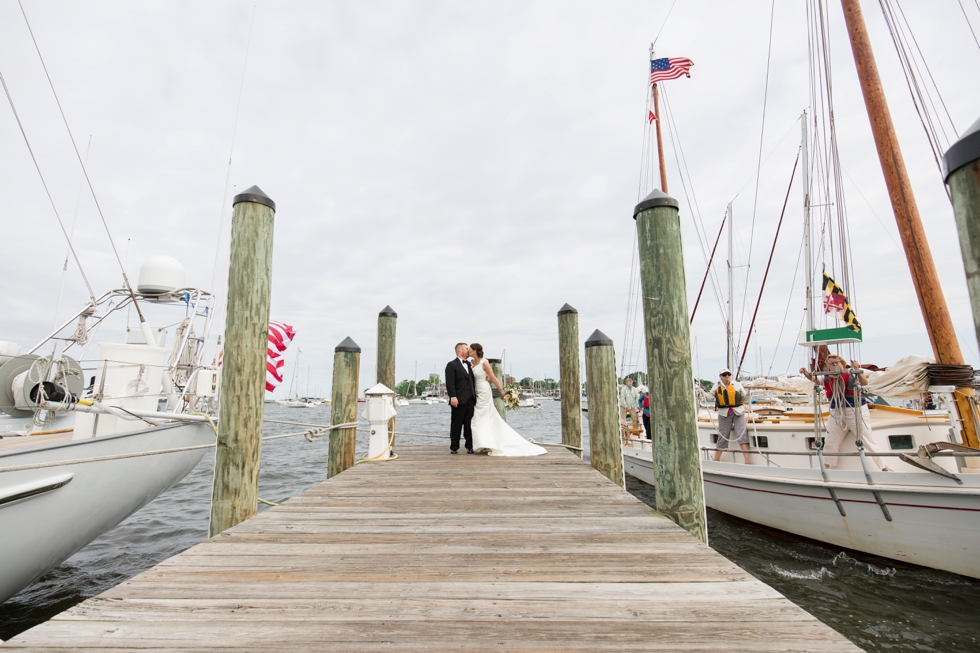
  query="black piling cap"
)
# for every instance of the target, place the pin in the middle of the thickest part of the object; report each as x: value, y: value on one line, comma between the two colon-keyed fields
x: 388, y: 311
x: 656, y: 198
x: 963, y: 152
x: 566, y: 309
x: 598, y: 339
x: 256, y: 195
x: 348, y: 345
x: 494, y: 360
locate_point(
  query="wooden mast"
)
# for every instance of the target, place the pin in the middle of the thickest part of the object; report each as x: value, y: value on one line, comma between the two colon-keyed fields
x: 945, y: 346
x: 660, y: 142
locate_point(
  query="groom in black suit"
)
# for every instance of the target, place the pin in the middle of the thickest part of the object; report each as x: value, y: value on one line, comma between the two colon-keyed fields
x: 462, y: 397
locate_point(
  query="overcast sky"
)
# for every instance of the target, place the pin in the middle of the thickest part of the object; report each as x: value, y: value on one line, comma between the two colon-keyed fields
x: 474, y: 165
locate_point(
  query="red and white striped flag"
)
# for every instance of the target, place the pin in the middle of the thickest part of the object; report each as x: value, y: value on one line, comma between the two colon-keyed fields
x: 651, y: 117
x: 280, y: 335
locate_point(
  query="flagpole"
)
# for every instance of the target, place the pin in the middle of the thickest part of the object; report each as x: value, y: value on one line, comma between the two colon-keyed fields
x: 660, y: 142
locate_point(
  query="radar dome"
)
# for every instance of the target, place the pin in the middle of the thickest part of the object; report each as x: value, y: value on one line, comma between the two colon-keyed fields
x: 160, y: 275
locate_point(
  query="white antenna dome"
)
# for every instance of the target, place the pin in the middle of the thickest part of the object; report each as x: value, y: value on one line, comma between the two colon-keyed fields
x: 160, y: 275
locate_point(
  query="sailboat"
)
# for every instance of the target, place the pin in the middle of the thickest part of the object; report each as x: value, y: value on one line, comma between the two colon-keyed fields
x: 926, y: 511
x: 292, y: 401
x: 74, y: 461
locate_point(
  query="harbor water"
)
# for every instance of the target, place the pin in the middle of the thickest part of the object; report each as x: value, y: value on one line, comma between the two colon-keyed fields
x: 878, y: 604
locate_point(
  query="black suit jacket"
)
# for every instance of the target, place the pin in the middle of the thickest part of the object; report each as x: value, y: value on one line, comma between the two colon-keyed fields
x: 460, y: 382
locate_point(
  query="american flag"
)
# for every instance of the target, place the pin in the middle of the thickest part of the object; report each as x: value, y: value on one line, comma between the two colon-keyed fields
x: 672, y: 68
x: 280, y: 335
x: 651, y: 117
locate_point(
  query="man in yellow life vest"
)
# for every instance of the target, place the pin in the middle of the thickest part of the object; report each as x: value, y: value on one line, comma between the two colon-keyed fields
x: 730, y: 399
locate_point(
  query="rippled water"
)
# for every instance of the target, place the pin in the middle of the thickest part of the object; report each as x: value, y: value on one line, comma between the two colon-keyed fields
x: 878, y: 604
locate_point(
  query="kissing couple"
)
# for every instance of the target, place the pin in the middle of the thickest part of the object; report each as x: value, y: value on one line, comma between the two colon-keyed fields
x: 468, y: 379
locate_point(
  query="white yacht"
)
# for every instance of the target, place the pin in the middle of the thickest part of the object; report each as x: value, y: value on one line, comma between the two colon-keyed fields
x: 74, y: 462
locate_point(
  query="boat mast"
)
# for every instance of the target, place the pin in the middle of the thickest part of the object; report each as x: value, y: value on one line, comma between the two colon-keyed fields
x: 932, y: 302
x: 660, y: 143
x: 807, y: 229
x: 730, y: 355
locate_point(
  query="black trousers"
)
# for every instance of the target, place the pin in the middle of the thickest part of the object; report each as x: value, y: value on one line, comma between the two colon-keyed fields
x: 460, y: 420
x: 646, y: 426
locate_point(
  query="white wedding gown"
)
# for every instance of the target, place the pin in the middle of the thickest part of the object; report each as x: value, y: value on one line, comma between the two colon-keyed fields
x: 490, y: 431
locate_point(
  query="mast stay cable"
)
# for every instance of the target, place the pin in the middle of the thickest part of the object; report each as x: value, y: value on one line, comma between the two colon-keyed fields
x: 755, y: 201
x: 44, y: 183
x: 145, y: 326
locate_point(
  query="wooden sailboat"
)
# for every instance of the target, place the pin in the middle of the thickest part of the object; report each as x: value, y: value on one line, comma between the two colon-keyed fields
x: 927, y: 511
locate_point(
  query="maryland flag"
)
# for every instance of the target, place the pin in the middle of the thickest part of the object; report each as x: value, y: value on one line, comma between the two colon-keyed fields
x: 835, y: 302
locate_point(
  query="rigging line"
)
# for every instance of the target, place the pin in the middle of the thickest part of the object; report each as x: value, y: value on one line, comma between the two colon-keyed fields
x: 234, y: 132
x: 82, y: 163
x: 925, y: 64
x: 875, y: 214
x: 694, y: 311
x: 683, y: 170
x: 702, y: 239
x: 789, y: 303
x: 71, y: 236
x: 772, y: 252
x: 758, y: 170
x: 46, y: 190
x: 772, y: 151
x: 664, y: 24
x: 968, y: 23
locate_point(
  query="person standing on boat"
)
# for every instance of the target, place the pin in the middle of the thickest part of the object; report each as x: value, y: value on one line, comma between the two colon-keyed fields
x: 628, y: 397
x: 730, y: 398
x: 643, y: 403
x: 840, y: 389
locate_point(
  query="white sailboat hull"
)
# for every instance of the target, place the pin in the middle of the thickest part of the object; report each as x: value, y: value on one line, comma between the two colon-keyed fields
x: 935, y: 522
x: 48, y: 514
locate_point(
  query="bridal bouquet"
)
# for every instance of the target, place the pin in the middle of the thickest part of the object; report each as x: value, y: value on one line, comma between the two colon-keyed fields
x: 512, y: 397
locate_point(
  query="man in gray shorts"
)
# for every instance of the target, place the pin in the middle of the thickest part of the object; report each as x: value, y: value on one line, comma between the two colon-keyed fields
x: 730, y: 398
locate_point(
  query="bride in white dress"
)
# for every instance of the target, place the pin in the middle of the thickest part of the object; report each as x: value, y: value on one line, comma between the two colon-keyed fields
x: 490, y: 431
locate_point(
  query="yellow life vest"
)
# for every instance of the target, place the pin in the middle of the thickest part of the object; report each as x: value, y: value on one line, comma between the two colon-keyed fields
x: 727, y: 397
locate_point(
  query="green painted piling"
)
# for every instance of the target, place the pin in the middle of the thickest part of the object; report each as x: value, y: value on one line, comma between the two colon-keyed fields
x: 673, y: 414
x: 605, y: 442
x: 343, y: 407
x: 387, y: 321
x: 570, y: 378
x: 498, y: 400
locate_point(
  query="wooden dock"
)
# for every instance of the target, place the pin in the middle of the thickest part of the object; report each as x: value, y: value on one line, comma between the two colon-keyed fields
x: 434, y: 552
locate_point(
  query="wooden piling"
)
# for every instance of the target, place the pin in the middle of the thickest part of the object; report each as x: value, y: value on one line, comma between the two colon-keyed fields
x: 234, y: 495
x: 673, y: 414
x: 387, y: 320
x: 570, y: 378
x: 498, y: 400
x: 343, y: 407
x: 961, y: 168
x: 605, y: 442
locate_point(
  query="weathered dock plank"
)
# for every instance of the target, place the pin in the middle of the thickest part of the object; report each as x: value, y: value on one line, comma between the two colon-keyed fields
x: 434, y: 552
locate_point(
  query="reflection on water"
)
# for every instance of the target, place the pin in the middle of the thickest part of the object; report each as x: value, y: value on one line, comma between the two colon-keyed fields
x: 878, y: 604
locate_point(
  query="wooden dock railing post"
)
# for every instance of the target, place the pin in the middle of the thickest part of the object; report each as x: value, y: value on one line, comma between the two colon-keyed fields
x: 570, y: 378
x: 343, y: 406
x: 387, y: 320
x: 605, y: 442
x: 498, y: 400
x: 234, y: 495
x: 673, y: 414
